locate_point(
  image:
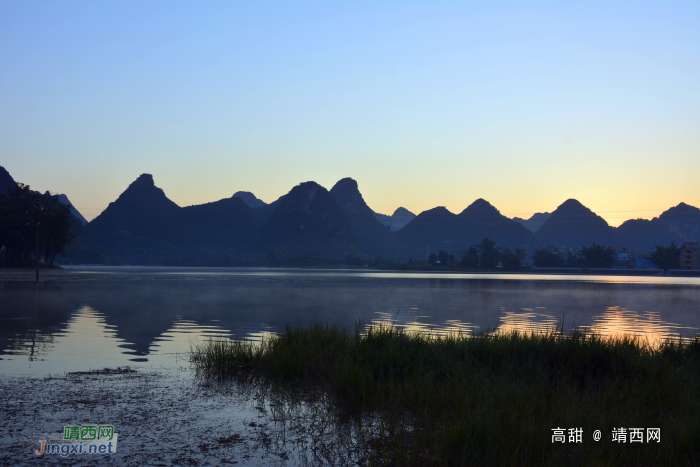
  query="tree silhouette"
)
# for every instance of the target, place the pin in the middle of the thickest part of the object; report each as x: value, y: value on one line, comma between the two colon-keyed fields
x: 488, y: 254
x: 546, y: 259
x: 469, y: 258
x: 445, y: 258
x: 512, y: 261
x: 666, y: 257
x: 18, y: 217
x: 597, y: 256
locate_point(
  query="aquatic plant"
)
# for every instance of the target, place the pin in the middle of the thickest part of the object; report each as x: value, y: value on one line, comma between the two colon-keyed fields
x: 485, y: 398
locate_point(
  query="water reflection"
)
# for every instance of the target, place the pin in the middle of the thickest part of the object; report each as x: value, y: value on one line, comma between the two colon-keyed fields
x: 81, y: 324
x: 421, y: 324
x: 619, y: 321
x: 527, y: 320
x: 85, y: 339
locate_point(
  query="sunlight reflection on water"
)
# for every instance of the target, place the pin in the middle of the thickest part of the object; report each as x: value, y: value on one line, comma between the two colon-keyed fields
x: 92, y: 324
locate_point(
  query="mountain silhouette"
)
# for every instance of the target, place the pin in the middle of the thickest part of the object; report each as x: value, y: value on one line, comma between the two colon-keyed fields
x: 227, y: 224
x: 250, y: 199
x: 573, y: 225
x: 6, y: 181
x: 432, y: 230
x: 534, y: 222
x: 680, y: 224
x: 263, y: 212
x: 140, y: 221
x: 439, y: 229
x: 143, y: 225
x: 372, y: 236
x: 63, y: 199
x: 308, y: 221
x: 480, y: 219
x: 400, y: 218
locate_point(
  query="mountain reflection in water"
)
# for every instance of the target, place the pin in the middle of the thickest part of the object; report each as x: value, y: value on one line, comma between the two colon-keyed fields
x: 119, y: 317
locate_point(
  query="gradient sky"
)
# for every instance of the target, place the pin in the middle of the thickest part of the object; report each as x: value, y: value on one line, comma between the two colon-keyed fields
x: 425, y: 104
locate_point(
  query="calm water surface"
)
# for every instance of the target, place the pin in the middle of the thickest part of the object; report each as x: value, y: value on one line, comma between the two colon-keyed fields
x: 96, y: 317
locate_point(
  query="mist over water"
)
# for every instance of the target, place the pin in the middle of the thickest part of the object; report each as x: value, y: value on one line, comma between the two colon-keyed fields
x: 92, y: 318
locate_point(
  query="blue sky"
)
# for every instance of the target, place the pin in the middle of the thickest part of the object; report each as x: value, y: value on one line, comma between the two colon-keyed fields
x: 425, y: 104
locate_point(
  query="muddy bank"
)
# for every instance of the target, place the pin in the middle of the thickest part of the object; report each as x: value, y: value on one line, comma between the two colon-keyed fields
x: 162, y: 418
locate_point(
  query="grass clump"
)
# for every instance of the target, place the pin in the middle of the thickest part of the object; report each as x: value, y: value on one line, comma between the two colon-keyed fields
x: 487, y: 399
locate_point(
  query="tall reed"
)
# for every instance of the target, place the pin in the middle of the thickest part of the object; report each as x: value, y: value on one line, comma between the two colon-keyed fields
x: 488, y: 398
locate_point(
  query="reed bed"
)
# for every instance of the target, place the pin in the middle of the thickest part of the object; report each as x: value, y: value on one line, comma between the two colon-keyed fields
x: 488, y: 398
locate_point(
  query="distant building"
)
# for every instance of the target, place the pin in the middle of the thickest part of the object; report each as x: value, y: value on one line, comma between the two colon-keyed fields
x: 643, y: 263
x: 621, y: 258
x: 624, y: 258
x: 689, y: 256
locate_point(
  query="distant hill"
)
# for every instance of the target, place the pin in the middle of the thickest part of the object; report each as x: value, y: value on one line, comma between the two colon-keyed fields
x: 400, y: 218
x: 534, y: 222
x: 263, y: 212
x: 573, y: 225
x: 480, y: 219
x: 140, y: 221
x: 144, y: 222
x: 64, y: 200
x: 372, y: 236
x: 227, y: 224
x: 250, y: 199
x: 6, y: 180
x: 313, y: 222
x: 439, y: 229
x: 308, y: 221
x: 680, y: 224
x: 432, y: 230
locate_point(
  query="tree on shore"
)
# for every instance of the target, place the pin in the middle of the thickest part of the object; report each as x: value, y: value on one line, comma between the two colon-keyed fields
x: 546, y: 259
x: 666, y: 257
x: 445, y: 258
x: 469, y: 258
x: 19, y: 209
x: 597, y: 256
x: 488, y: 254
x: 512, y: 261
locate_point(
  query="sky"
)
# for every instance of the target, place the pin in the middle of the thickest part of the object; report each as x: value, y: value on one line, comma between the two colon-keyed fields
x: 425, y: 104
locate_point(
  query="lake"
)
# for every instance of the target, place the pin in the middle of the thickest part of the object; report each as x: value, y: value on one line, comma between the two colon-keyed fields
x: 95, y: 317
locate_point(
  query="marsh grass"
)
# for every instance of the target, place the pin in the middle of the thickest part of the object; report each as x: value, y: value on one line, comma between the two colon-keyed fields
x: 484, y: 399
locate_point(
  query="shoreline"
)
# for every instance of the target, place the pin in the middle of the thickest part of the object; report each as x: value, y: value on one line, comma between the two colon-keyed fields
x: 132, y: 272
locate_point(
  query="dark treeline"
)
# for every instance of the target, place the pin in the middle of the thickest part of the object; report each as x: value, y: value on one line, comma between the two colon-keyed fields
x: 666, y: 257
x: 595, y: 256
x: 485, y: 255
x: 599, y: 256
x: 20, y: 210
